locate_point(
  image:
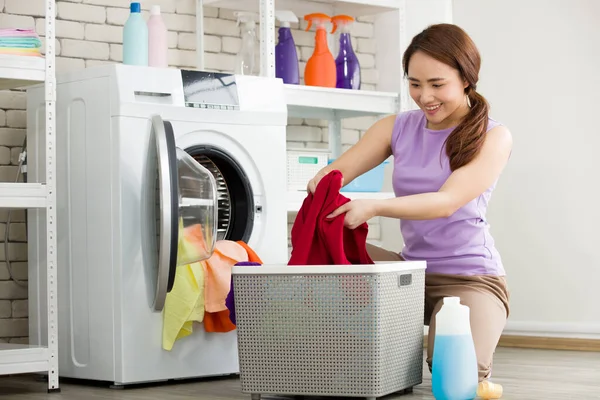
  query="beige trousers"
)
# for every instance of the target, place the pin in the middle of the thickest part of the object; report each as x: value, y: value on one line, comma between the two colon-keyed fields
x: 486, y: 296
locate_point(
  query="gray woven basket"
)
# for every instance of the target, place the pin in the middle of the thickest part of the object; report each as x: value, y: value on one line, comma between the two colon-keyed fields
x: 354, y: 331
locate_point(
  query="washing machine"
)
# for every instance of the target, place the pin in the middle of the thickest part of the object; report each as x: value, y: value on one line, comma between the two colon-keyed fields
x: 118, y: 129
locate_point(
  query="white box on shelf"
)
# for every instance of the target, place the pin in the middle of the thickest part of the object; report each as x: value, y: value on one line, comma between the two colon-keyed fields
x: 303, y: 165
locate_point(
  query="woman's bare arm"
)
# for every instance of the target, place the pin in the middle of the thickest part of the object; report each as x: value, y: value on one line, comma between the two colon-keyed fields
x: 370, y: 151
x: 463, y: 185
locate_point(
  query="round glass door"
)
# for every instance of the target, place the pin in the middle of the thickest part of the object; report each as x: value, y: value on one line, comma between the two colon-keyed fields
x: 186, y: 213
x: 197, y: 210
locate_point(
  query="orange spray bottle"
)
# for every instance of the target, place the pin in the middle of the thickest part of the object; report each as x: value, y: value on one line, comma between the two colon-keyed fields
x: 320, y: 69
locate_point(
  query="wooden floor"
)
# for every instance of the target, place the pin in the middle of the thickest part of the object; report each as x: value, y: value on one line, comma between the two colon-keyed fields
x: 525, y: 374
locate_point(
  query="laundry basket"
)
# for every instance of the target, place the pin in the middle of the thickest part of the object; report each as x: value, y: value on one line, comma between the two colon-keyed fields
x: 352, y: 330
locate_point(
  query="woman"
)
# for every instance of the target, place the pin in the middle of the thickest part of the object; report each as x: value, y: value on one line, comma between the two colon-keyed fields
x: 448, y: 156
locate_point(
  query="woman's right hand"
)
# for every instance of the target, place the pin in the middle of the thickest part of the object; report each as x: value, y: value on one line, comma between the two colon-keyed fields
x: 312, y: 184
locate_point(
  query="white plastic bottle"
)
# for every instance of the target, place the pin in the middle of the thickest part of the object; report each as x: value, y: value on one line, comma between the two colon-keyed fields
x: 157, y: 39
x: 454, y: 365
x: 135, y: 37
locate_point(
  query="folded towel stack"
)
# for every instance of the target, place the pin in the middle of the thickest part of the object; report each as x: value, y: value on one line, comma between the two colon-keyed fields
x: 21, y: 42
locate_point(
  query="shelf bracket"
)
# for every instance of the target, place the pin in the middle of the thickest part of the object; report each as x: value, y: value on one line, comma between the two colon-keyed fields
x: 403, y: 96
x: 200, y: 34
x: 51, y: 241
x: 267, y: 38
x: 335, y: 135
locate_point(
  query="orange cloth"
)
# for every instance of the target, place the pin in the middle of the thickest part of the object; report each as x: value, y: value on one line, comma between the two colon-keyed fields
x: 218, y: 322
x: 252, y: 256
x: 217, y: 283
x: 218, y: 273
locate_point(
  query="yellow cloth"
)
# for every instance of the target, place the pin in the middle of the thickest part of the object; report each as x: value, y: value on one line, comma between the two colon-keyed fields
x: 207, y: 282
x: 184, y: 304
x: 20, y: 51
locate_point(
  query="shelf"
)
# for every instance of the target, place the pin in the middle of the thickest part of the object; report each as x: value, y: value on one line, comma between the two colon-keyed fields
x: 22, y: 195
x: 20, y: 71
x: 296, y: 198
x: 355, y: 8
x: 326, y: 103
x: 22, y: 359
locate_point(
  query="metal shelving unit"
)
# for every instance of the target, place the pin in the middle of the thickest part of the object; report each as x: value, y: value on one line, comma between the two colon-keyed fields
x: 17, y: 72
x: 329, y: 104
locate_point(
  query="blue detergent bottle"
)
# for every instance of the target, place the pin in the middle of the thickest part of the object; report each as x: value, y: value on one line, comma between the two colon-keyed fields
x: 454, y: 363
x: 135, y: 38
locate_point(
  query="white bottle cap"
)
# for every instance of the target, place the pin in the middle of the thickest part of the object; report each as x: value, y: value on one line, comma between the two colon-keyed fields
x: 453, y: 318
x: 451, y: 300
x: 155, y: 10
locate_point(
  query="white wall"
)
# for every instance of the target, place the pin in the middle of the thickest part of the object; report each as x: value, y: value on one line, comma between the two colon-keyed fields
x: 540, y: 72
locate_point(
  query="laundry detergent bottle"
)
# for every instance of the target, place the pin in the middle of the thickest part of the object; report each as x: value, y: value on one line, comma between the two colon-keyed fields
x: 347, y: 65
x: 157, y: 39
x: 135, y: 38
x: 454, y: 364
x: 245, y: 62
x: 286, y: 56
x: 320, y: 68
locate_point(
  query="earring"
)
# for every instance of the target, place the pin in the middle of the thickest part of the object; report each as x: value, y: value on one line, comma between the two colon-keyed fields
x: 468, y: 101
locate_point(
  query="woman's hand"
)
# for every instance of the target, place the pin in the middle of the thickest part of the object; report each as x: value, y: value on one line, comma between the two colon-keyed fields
x: 312, y: 184
x: 357, y: 212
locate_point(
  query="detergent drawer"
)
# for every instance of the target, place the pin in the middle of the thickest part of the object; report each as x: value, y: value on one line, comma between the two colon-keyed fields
x: 348, y: 330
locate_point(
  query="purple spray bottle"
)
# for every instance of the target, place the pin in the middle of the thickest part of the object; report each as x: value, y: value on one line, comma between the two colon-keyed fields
x: 286, y: 57
x: 348, y: 67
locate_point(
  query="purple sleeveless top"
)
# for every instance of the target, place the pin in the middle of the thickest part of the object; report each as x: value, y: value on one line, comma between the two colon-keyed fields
x: 459, y: 245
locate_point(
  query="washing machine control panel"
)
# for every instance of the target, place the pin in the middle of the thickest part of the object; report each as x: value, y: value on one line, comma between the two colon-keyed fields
x: 213, y: 90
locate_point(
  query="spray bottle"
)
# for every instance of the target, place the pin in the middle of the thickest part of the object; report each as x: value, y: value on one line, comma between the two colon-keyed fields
x: 245, y: 63
x: 348, y: 67
x: 320, y: 68
x: 286, y: 57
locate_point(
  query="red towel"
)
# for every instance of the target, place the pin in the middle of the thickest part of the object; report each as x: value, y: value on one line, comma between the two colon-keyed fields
x: 317, y: 240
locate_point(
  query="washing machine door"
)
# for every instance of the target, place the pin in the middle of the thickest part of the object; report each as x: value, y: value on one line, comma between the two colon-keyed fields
x: 187, y: 210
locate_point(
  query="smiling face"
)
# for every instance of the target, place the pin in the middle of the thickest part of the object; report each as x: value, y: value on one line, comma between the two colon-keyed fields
x: 438, y: 90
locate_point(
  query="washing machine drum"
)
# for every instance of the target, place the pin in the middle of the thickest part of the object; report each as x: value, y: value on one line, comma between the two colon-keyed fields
x: 235, y: 200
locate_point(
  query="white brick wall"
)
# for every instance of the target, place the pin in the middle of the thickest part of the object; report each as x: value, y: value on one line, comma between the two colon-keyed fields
x: 89, y: 32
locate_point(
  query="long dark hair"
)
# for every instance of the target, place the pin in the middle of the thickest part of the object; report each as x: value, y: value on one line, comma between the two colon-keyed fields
x: 451, y: 45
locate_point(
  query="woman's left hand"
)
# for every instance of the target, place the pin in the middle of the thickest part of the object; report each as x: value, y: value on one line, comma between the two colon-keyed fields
x: 357, y: 212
